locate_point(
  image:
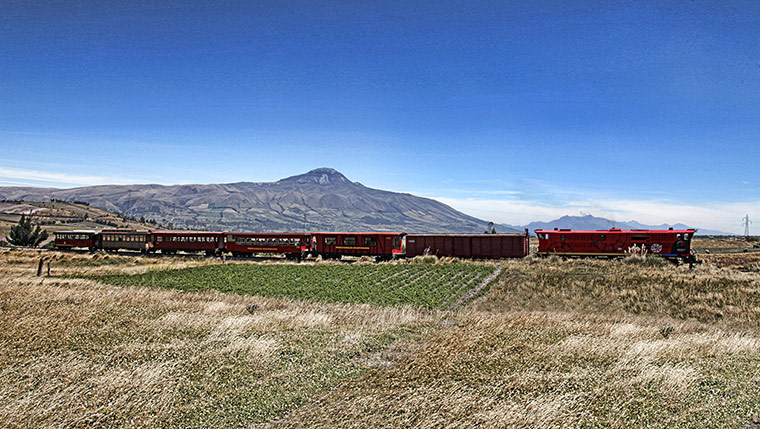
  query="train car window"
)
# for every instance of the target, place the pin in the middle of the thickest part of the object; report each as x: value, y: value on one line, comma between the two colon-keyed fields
x: 370, y: 241
x: 331, y: 241
x: 349, y: 240
x: 640, y: 237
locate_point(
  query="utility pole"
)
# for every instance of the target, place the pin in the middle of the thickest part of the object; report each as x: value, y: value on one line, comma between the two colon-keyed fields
x: 745, y: 223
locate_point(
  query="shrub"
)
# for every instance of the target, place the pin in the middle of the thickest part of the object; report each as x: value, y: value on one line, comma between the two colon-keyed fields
x: 25, y: 234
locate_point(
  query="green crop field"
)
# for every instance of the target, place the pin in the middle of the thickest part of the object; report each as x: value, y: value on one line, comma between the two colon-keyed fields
x: 431, y: 286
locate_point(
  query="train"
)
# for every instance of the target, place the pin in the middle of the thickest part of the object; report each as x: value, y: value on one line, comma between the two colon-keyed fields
x: 671, y: 244
x: 299, y: 245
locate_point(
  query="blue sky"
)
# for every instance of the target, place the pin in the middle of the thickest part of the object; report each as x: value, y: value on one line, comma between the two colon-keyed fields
x: 510, y: 111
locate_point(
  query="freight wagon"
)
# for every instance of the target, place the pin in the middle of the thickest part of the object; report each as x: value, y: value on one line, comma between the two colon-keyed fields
x: 472, y: 246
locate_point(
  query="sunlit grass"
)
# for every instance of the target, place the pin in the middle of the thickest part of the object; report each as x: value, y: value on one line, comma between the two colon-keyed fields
x: 550, y: 343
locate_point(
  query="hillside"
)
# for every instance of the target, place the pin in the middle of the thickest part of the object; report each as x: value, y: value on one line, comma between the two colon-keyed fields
x: 322, y: 199
x: 58, y: 215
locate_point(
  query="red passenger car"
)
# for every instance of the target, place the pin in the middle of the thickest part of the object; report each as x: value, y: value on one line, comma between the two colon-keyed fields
x: 119, y: 239
x: 384, y: 245
x: 71, y: 239
x: 292, y: 244
x: 475, y: 246
x: 212, y: 243
x: 671, y: 243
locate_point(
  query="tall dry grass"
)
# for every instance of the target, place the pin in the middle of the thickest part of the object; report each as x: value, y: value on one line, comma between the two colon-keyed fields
x: 546, y: 369
x: 77, y: 353
x: 555, y: 343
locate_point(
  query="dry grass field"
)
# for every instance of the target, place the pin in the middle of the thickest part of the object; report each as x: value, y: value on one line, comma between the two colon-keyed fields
x: 552, y: 343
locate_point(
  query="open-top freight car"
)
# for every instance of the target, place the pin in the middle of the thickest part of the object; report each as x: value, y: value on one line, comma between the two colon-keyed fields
x: 672, y: 244
x: 294, y: 245
x: 470, y: 246
x: 382, y: 245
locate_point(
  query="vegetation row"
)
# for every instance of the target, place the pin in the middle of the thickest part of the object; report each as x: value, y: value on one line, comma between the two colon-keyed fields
x: 430, y: 286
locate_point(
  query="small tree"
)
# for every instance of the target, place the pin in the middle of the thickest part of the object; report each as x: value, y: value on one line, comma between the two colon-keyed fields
x: 25, y: 234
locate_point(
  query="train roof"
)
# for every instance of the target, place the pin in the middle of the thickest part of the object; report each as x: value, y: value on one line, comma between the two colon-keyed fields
x: 617, y: 230
x: 520, y: 234
x: 186, y: 232
x: 361, y: 233
x: 269, y: 234
x: 77, y: 231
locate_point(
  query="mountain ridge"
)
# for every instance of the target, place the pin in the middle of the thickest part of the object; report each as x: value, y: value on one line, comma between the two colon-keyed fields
x: 321, y: 199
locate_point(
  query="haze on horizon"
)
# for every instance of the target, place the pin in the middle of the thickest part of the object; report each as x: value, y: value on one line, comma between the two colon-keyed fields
x: 510, y: 112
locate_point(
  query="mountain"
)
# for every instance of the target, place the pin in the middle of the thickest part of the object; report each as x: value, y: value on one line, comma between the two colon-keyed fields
x: 590, y: 222
x: 322, y: 199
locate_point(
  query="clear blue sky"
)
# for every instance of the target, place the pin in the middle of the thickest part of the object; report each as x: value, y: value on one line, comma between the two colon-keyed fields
x: 512, y: 111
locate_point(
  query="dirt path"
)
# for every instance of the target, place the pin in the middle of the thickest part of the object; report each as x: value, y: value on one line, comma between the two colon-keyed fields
x: 474, y: 291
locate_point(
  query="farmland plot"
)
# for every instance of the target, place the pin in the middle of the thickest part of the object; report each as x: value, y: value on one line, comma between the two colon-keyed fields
x: 430, y: 286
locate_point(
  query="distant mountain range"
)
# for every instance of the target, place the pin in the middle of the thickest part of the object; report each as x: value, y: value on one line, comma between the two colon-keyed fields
x: 590, y: 222
x: 320, y: 200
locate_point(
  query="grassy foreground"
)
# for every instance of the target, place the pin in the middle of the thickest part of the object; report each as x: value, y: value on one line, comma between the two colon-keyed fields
x: 552, y: 343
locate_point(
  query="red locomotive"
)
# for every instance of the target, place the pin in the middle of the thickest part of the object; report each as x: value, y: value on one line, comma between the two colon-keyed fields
x: 673, y: 244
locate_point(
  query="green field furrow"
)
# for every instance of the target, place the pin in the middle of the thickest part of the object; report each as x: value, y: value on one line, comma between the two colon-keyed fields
x: 430, y: 286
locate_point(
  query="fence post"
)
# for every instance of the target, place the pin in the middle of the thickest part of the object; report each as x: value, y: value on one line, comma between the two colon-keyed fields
x: 39, y: 267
